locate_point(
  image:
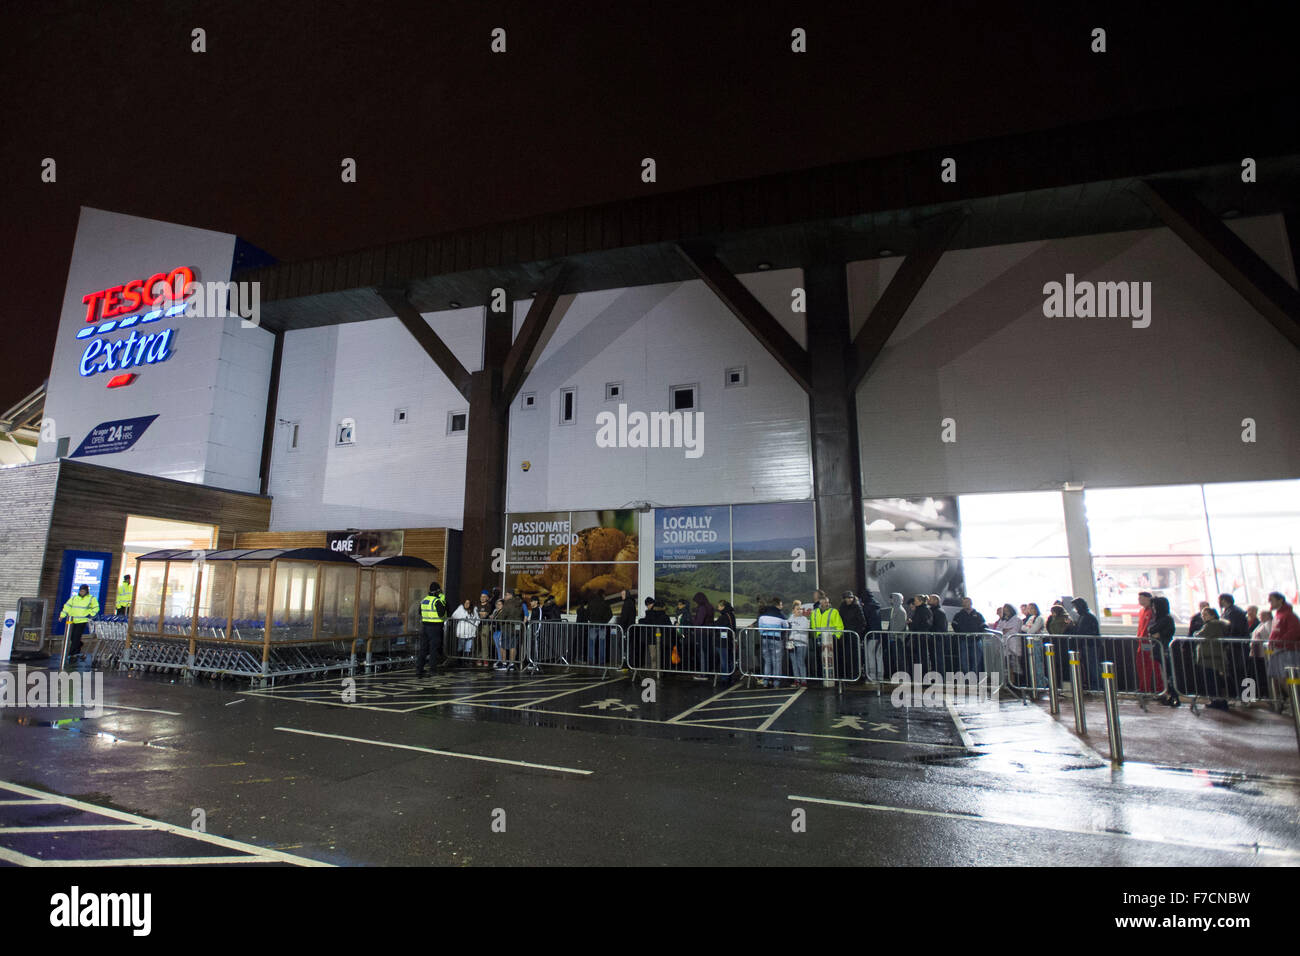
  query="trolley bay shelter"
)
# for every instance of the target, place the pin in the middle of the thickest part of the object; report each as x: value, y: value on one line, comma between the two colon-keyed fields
x: 859, y: 376
x: 265, y: 612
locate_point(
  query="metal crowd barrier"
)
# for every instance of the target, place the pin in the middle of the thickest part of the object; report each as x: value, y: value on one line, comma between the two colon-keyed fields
x: 537, y: 645
x: 574, y: 646
x: 943, y: 652
x: 1225, y: 668
x: 1141, y: 669
x: 671, y: 649
x: 826, y: 655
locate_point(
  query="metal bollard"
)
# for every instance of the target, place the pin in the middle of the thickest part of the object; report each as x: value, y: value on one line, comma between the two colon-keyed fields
x: 1055, y: 702
x: 1293, y: 691
x: 1076, y: 693
x: 1112, y: 712
x: 1030, y: 644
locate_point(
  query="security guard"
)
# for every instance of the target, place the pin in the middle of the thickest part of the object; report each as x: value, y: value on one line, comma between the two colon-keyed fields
x: 79, y: 611
x: 433, y: 611
x: 124, y: 592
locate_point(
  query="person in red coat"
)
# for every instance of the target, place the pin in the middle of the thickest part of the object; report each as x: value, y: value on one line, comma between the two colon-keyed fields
x: 1284, y: 639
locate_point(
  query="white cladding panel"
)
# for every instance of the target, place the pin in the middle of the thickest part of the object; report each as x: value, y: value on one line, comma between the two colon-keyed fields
x: 409, y: 474
x: 1040, y: 401
x: 209, y: 396
x: 755, y: 443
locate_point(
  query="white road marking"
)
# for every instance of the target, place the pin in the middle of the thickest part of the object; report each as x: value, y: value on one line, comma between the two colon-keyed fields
x: 1055, y: 827
x: 440, y: 753
x: 143, y: 710
x: 22, y: 803
x: 734, y: 707
x: 573, y: 690
x: 702, y: 704
x: 76, y: 828
x: 780, y: 710
x: 961, y: 727
x: 152, y: 861
x: 256, y: 853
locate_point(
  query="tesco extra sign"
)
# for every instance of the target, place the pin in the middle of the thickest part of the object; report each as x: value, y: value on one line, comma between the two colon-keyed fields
x: 132, y: 305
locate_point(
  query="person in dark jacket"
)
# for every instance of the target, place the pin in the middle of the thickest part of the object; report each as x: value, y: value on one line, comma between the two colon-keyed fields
x: 969, y: 621
x: 941, y: 656
x: 919, y: 620
x: 1089, y: 629
x: 695, y: 643
x: 1236, y: 623
x: 599, y: 614
x: 847, y: 665
x: 657, y: 641
x: 726, y: 640
x: 626, y: 618
x: 1163, y: 628
x: 1198, y: 620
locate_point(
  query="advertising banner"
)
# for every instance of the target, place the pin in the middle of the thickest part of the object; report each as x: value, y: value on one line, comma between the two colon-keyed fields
x: 913, y: 547
x: 693, y: 534
x: 571, y: 555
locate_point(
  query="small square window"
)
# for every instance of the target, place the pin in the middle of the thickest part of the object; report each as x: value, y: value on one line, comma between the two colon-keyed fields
x: 61, y: 448
x: 457, y: 422
x: 399, y: 416
x: 735, y: 377
x: 346, y: 432
x: 613, y: 390
x: 529, y: 400
x: 568, y: 405
x: 683, y: 398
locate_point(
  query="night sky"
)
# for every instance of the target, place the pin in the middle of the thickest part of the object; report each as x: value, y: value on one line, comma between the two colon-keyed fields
x: 247, y: 138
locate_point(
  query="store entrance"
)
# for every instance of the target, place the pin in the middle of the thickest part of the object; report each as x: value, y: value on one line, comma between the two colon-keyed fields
x: 145, y: 534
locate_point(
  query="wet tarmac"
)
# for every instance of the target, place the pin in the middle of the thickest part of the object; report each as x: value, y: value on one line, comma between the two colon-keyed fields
x: 482, y: 768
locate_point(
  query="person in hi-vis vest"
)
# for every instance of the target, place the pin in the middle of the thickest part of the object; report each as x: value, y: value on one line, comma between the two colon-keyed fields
x: 433, y: 611
x: 124, y: 592
x: 79, y: 610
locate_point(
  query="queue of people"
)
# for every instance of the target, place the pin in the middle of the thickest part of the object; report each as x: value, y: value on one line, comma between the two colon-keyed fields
x: 817, y: 641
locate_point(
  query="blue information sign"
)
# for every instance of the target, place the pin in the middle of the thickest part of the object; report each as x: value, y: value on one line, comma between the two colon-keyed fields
x: 112, y: 437
x: 81, y: 567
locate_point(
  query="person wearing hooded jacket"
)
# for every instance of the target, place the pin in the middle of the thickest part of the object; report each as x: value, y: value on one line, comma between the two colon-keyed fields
x: 871, y: 637
x: 1088, y: 628
x: 893, y: 651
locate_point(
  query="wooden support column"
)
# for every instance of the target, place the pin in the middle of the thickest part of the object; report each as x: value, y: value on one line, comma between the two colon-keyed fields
x: 272, y: 406
x: 836, y: 465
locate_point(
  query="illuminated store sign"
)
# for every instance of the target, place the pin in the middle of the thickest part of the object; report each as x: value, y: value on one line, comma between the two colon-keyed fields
x: 120, y: 307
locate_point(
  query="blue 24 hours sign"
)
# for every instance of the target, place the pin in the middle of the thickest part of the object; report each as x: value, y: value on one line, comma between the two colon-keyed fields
x: 111, y: 437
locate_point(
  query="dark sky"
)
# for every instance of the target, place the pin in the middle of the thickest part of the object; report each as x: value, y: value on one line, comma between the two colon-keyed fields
x: 247, y: 138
